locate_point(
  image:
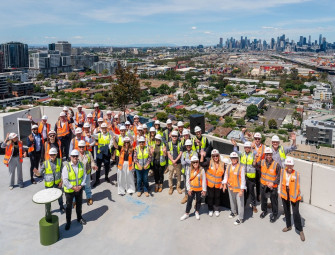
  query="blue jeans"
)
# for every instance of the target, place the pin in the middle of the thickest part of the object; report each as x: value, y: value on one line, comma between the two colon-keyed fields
x: 142, y: 177
x: 88, y: 190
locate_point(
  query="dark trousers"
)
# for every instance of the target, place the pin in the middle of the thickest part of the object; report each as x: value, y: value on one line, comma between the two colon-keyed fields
x: 296, y: 214
x: 197, y: 195
x: 65, y: 146
x: 258, y: 182
x: 158, y: 172
x: 273, y: 197
x: 142, y: 178
x: 35, y: 158
x: 251, y: 183
x: 60, y: 200
x: 213, y: 199
x: 69, y: 199
x: 106, y: 160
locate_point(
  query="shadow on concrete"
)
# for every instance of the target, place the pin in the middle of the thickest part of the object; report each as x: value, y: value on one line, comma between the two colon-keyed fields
x: 95, y: 214
x: 75, y: 229
x: 102, y: 195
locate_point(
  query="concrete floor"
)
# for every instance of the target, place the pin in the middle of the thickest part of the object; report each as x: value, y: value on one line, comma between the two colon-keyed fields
x: 131, y: 225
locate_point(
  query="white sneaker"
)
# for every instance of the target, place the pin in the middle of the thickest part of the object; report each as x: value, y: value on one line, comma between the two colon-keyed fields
x: 217, y: 213
x: 231, y: 215
x: 210, y: 213
x: 11, y: 187
x: 184, y: 217
x: 237, y: 222
x: 197, y: 216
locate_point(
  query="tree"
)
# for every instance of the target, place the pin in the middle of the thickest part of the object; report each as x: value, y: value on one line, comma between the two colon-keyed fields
x: 146, y: 106
x: 187, y: 98
x: 294, y: 74
x: 240, y: 122
x: 105, y: 72
x: 40, y: 77
x: 153, y: 91
x: 98, y: 97
x: 73, y: 76
x: 252, y: 111
x: 272, y: 124
x: 229, y: 88
x: 162, y: 116
x: 127, y: 88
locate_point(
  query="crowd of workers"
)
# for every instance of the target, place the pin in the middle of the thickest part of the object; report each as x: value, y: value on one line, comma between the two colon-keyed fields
x: 81, y: 143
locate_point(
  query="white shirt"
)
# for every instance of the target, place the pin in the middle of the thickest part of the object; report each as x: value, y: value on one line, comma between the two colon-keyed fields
x: 288, y: 177
x: 65, y: 175
x: 225, y: 179
x: 203, y: 178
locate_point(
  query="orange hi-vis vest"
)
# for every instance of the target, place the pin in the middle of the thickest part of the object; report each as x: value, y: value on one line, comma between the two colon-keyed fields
x: 268, y: 174
x: 40, y: 129
x: 121, y: 160
x: 134, y: 129
x: 260, y: 151
x: 81, y: 119
x: 195, y: 180
x: 47, y: 148
x: 294, y: 186
x: 95, y: 115
x: 62, y: 131
x: 234, y: 178
x: 214, y: 176
x: 32, y: 147
x: 9, y: 153
x: 75, y: 141
x: 114, y: 128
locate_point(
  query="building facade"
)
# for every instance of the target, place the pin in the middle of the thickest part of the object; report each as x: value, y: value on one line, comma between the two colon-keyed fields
x: 15, y: 55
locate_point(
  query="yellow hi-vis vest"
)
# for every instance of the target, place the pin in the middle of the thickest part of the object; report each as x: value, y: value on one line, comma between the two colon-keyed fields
x: 142, y: 156
x: 119, y: 143
x: 75, y: 180
x: 50, y: 178
x: 246, y: 161
x: 162, y: 158
x: 103, y: 141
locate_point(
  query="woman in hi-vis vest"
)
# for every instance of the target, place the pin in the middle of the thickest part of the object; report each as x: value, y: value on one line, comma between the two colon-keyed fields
x: 13, y: 158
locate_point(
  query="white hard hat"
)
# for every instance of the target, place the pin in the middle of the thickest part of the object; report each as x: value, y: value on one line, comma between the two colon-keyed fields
x: 126, y: 139
x: 127, y: 123
x: 78, y: 130
x: 188, y: 142
x: 109, y: 112
x: 89, y: 115
x: 75, y: 153
x: 79, y: 106
x: 152, y: 129
x: 86, y: 125
x: 53, y: 151
x: 136, y: 117
x: 141, y: 139
x: 81, y: 143
x: 100, y: 119
x: 233, y: 155
x: 96, y: 105
x: 174, y: 133
x: 158, y: 136
x: 257, y: 135
x: 197, y: 129
x: 104, y: 125
x: 116, y: 116
x: 123, y: 128
x: 168, y: 121
x: 247, y: 144
x: 144, y: 126
x: 289, y: 161
x: 194, y: 158
x: 215, y: 152
x: 275, y: 138
x: 268, y: 150
x: 140, y: 127
x: 62, y: 114
x: 186, y: 132
x: 12, y: 136
x: 65, y: 108
x: 34, y: 126
x: 157, y: 122
x: 44, y: 117
x: 180, y: 124
x: 52, y: 132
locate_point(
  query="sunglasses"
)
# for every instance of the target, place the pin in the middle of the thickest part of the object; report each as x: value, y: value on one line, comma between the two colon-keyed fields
x: 34, y: 128
x: 215, y: 156
x: 81, y: 147
x: 51, y: 135
x: 74, y: 156
x: 174, y: 136
x: 257, y: 138
x: 126, y: 142
x: 196, y: 162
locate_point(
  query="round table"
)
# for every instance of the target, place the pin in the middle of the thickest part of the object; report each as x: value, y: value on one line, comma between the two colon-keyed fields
x: 49, y: 225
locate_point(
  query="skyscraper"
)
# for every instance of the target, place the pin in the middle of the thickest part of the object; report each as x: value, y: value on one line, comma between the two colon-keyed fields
x: 320, y: 39
x: 15, y: 55
x: 63, y: 47
x: 221, y: 42
x: 52, y: 46
x: 1, y: 61
x: 309, y: 40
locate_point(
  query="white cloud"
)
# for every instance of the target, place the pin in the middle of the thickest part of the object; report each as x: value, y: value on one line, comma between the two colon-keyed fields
x: 77, y: 37
x: 207, y: 32
x: 193, y: 28
x: 50, y: 37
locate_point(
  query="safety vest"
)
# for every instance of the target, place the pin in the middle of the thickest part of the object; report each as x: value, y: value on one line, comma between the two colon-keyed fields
x: 62, y: 131
x: 75, y: 142
x: 191, y: 153
x: 195, y: 180
x: 151, y: 142
x: 40, y: 129
x: 166, y: 135
x: 87, y: 154
x: 247, y: 161
x: 195, y: 146
x: 9, y: 152
x: 159, y: 131
x: 294, y: 186
x: 119, y: 143
x: 268, y: 174
x: 96, y: 115
x: 47, y: 148
x: 103, y: 141
x: 80, y: 119
x: 133, y: 129
x: 162, y: 158
x: 214, y: 176
x: 260, y: 151
x: 32, y: 147
x: 234, y: 178
x: 74, y: 180
x: 282, y: 154
x: 52, y: 178
x: 121, y: 160
x: 171, y: 149
x: 142, y: 156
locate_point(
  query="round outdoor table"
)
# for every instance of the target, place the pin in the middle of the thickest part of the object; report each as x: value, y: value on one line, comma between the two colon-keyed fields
x: 49, y: 225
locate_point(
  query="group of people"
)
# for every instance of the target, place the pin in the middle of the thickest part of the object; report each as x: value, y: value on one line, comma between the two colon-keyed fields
x: 79, y: 144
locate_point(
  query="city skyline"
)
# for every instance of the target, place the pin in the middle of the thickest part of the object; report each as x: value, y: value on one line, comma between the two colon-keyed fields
x: 171, y: 22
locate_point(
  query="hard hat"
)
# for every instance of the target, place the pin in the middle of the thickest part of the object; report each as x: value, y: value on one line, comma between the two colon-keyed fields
x: 34, y: 126
x: 136, y: 117
x: 44, y: 117
x: 157, y: 122
x: 158, y: 136
x: 96, y: 105
x: 62, y: 114
x: 268, y: 150
x: 127, y: 123
x: 116, y: 116
x: 100, y: 120
x: 75, y: 153
x: 123, y: 128
x: 152, y: 129
x: 12, y: 136
x: 86, y: 125
x: 79, y: 106
x: 104, y: 125
x: 275, y: 138
x: 81, y: 143
x: 168, y: 122
x: 141, y: 139
x: 289, y: 161
x: 174, y: 133
x: 257, y: 135
x: 144, y: 126
x: 194, y: 158
x: 109, y: 112
x: 78, y: 130
x: 126, y: 139
x: 53, y: 151
x: 65, y: 108
x: 89, y: 115
x: 197, y: 129
x: 233, y: 155
x: 180, y: 124
x: 188, y: 142
x: 186, y: 131
x: 247, y: 144
x: 215, y: 152
x: 140, y: 127
x: 52, y: 132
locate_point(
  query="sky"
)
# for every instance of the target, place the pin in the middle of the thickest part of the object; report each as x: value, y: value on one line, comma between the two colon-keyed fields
x: 179, y: 22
